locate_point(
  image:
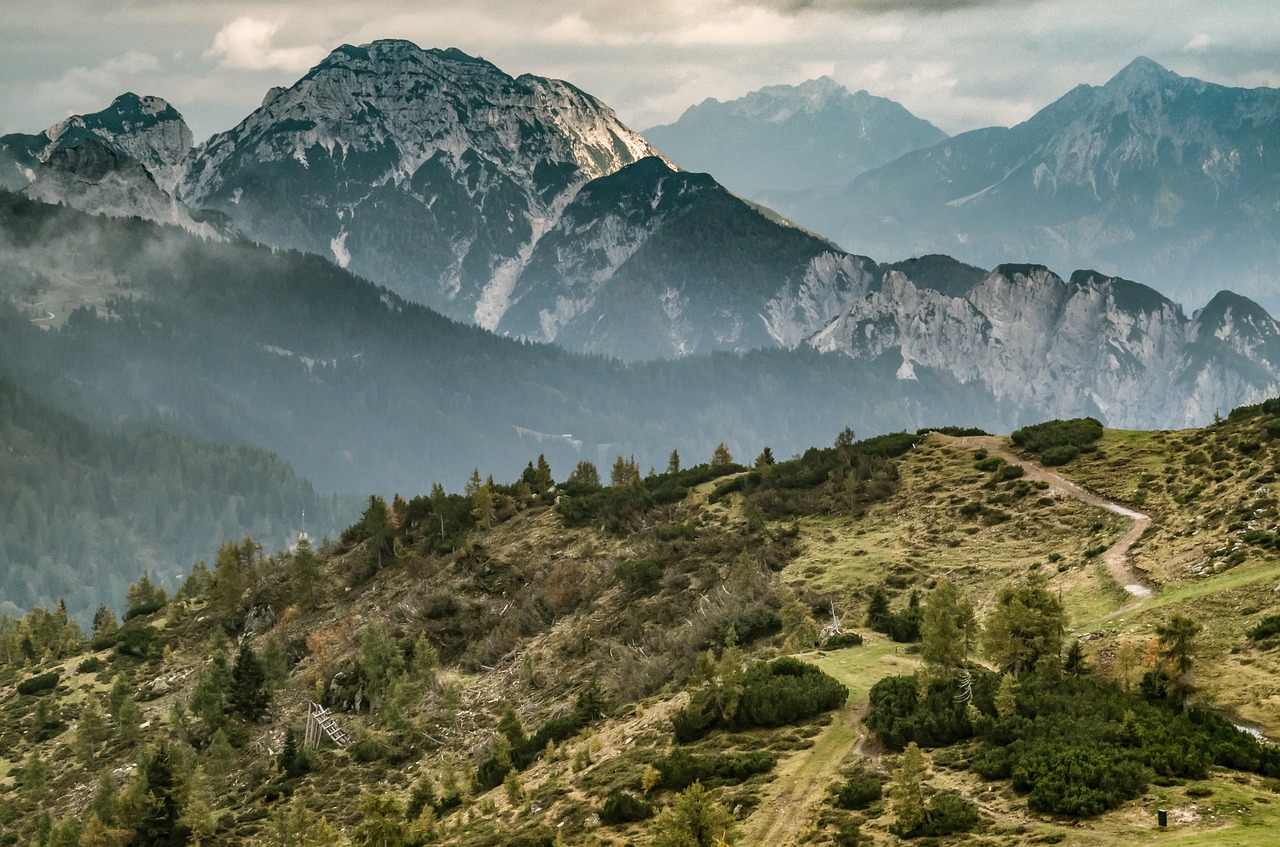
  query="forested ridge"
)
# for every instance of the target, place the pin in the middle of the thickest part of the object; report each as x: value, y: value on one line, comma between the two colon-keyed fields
x: 86, y: 511
x: 361, y: 391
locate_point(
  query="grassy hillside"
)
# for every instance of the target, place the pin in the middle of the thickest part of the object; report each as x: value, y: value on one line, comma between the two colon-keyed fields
x: 582, y: 665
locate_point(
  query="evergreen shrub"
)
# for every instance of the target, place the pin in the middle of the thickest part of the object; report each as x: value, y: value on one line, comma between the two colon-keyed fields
x: 41, y: 684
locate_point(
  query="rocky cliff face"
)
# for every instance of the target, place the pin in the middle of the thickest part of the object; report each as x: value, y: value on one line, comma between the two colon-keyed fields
x: 430, y: 171
x: 1094, y: 345
x: 95, y: 177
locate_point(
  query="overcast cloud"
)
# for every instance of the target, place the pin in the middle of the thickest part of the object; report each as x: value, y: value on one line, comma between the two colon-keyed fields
x: 959, y: 63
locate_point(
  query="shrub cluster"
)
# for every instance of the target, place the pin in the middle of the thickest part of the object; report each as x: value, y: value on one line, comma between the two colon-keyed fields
x: 948, y: 813
x: 900, y: 715
x: 1058, y: 442
x: 769, y: 694
x: 1266, y: 407
x: 618, y: 509
x: 955, y: 431
x: 680, y: 768
x: 1268, y: 627
x: 859, y: 790
x: 845, y: 478
x: 41, y: 684
x: 903, y: 625
x: 1077, y: 746
x: 524, y: 751
x: 624, y: 807
x: 844, y: 639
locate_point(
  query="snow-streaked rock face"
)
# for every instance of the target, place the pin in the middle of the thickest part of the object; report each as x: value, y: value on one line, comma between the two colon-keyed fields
x: 1093, y: 346
x: 442, y: 170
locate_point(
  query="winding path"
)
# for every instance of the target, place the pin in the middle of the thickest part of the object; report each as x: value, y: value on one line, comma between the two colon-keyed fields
x: 802, y: 780
x: 1116, y: 557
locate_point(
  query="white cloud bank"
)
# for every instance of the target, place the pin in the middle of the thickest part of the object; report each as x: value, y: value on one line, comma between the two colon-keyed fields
x: 245, y: 44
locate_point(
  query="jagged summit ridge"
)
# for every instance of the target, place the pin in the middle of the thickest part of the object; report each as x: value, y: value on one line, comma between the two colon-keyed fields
x: 1103, y: 345
x: 420, y: 103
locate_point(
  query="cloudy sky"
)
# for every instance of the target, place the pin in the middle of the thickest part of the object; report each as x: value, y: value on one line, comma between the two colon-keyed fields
x: 959, y: 63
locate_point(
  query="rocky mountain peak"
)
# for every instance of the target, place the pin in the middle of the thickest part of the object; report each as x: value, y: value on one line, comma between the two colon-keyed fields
x: 145, y: 128
x: 431, y: 171
x: 1142, y: 73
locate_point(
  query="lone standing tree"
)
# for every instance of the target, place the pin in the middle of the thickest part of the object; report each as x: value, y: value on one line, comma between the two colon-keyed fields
x: 1177, y: 648
x: 947, y: 628
x: 1025, y: 630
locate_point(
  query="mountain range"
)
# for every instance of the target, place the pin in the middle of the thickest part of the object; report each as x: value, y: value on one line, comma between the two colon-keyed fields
x: 523, y: 206
x: 785, y: 139
x: 1162, y: 178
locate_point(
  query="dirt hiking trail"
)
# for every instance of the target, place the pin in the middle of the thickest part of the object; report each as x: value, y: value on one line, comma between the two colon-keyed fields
x: 1116, y: 557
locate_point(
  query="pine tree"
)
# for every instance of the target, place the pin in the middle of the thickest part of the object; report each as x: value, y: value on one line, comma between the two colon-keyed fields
x: 33, y: 780
x: 673, y: 462
x: 120, y: 691
x: 542, y: 476
x: 765, y: 459
x: 382, y: 822
x: 1006, y: 699
x: 157, y: 817
x: 91, y: 729
x: 1177, y: 649
x: 249, y: 695
x: 230, y: 581
x: 128, y: 723
x: 1025, y: 629
x: 98, y: 833
x: 144, y: 596
x: 375, y: 526
x: 106, y: 800
x: 947, y: 628
x: 1074, y: 663
x: 721, y: 456
x: 209, y: 697
x: 878, y: 609
x: 105, y: 625
x: 219, y: 762
x: 904, y: 791
x: 304, y: 573
x: 510, y: 726
x: 197, y: 816
x: 473, y: 483
x: 585, y: 474
x: 622, y: 474
x: 799, y: 632
x: 381, y: 662
x: 482, y: 508
x: 695, y: 819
